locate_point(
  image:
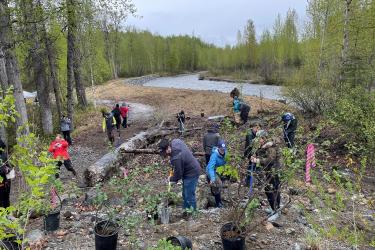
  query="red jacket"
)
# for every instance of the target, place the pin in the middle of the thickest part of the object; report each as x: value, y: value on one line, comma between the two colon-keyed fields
x: 124, y: 111
x: 59, y: 148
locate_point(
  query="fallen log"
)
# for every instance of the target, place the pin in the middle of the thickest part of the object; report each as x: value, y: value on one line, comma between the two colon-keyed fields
x: 186, y: 130
x: 108, y: 164
x: 150, y: 151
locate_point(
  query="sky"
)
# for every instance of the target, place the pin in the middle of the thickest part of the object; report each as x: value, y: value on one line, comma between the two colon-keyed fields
x: 214, y: 21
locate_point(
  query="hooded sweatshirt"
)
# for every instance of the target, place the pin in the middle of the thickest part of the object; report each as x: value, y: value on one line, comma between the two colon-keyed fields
x: 184, y: 163
x: 216, y: 160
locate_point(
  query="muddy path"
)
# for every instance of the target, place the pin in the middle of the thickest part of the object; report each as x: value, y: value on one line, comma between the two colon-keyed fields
x: 90, y: 144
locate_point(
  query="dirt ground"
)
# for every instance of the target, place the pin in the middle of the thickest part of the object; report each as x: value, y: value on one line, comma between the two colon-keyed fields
x: 78, y: 217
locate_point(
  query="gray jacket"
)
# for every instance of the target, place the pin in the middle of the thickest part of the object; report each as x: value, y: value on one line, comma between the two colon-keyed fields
x: 184, y: 163
x: 65, y: 124
x: 210, y: 140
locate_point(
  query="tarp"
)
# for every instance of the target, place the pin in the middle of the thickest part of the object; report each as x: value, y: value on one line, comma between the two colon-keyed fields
x: 29, y: 95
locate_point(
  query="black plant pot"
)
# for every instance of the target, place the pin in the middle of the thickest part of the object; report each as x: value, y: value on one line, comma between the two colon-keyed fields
x: 181, y: 241
x: 235, y: 241
x: 106, y: 241
x: 10, y: 244
x: 52, y: 221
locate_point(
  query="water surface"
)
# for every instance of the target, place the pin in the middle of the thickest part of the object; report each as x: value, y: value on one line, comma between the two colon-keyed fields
x: 192, y: 82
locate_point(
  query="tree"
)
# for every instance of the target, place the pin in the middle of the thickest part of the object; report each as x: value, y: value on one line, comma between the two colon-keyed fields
x: 11, y: 65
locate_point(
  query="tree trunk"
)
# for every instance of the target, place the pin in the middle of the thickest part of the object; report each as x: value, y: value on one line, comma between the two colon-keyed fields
x: 53, y: 71
x: 74, y: 53
x: 34, y: 33
x: 70, y: 78
x: 4, y: 87
x: 11, y: 66
x: 345, y: 48
x: 106, y: 166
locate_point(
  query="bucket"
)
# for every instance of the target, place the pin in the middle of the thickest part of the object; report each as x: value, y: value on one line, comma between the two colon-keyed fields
x: 164, y: 213
x: 181, y: 241
x: 52, y: 221
x: 106, y: 242
x: 235, y: 243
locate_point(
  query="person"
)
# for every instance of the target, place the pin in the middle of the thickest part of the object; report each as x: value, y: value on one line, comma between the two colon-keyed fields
x: 117, y: 115
x: 217, y: 159
x: 241, y: 109
x: 108, y: 125
x: 66, y: 127
x: 210, y: 140
x: 59, y: 149
x: 237, y: 109
x: 5, y: 182
x: 124, y: 114
x: 185, y: 167
x: 250, y: 136
x: 244, y: 112
x: 290, y: 127
x: 181, y: 121
x: 267, y: 156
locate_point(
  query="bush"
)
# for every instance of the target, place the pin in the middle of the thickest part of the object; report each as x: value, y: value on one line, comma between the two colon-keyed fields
x: 354, y: 113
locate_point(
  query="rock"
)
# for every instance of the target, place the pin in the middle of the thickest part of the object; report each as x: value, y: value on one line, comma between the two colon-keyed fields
x: 194, y: 226
x: 67, y: 214
x: 202, y: 179
x: 61, y: 233
x: 269, y: 226
x: 331, y: 191
x: 35, y: 236
x: 290, y: 231
x: 253, y: 237
x: 297, y: 246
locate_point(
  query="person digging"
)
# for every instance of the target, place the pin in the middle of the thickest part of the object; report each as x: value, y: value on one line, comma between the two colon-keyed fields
x: 290, y: 127
x: 267, y: 158
x: 185, y: 167
x: 217, y: 159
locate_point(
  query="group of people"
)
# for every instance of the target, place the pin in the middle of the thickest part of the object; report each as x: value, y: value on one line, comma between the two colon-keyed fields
x: 115, y: 119
x: 263, y: 158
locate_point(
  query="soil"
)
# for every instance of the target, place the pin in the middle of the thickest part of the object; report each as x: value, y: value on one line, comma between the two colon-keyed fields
x: 203, y: 229
x: 231, y: 234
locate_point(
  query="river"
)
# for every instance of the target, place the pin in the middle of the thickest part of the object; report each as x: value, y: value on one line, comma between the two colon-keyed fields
x: 192, y: 82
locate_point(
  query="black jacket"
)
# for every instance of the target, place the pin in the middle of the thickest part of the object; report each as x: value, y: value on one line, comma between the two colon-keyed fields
x: 210, y: 140
x: 184, y: 163
x: 250, y: 136
x: 4, y: 167
x: 290, y: 126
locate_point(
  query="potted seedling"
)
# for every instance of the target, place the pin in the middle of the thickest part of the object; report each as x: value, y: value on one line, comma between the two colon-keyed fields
x: 105, y: 230
x: 51, y: 205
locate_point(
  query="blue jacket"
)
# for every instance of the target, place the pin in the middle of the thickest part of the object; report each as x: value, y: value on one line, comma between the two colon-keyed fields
x: 216, y: 160
x: 236, y: 105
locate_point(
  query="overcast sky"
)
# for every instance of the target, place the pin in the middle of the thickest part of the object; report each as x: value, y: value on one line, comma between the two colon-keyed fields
x: 215, y: 21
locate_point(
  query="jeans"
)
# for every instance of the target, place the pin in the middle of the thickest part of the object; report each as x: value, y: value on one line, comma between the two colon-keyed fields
x: 189, y: 186
x: 124, y: 122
